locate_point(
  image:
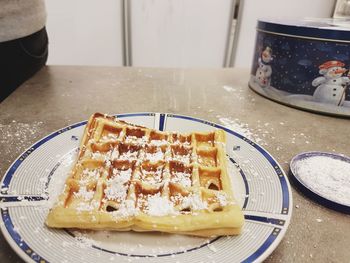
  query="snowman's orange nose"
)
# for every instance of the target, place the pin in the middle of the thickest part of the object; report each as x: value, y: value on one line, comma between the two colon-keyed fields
x: 340, y: 71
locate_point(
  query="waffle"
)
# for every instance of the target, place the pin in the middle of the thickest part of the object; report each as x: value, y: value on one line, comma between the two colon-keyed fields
x: 129, y: 177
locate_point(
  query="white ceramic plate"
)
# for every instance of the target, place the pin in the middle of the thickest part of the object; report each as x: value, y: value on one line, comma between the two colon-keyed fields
x: 38, y: 175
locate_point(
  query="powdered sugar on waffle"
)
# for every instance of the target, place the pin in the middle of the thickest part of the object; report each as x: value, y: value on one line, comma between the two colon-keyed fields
x: 84, y: 194
x: 88, y: 206
x: 154, y: 157
x: 126, y: 209
x: 159, y: 142
x: 128, y: 156
x: 181, y: 143
x: 159, y: 206
x: 181, y: 178
x: 89, y: 175
x: 109, y: 137
x: 99, y: 156
x: 117, y: 186
x: 135, y: 140
x: 186, y: 159
x: 222, y: 198
x: 194, y: 202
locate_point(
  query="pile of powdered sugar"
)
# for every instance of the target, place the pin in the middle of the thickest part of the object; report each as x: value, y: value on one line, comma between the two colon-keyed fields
x: 326, y: 176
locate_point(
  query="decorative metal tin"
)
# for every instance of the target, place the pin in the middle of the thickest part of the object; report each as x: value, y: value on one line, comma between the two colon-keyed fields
x: 304, y: 64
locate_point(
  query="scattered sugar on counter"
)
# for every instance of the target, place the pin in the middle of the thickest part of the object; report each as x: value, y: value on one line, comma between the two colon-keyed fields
x: 327, y: 176
x: 228, y: 88
x: 25, y: 133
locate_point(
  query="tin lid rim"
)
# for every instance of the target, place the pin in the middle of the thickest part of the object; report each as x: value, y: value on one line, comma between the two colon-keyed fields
x: 307, y: 190
x: 299, y: 28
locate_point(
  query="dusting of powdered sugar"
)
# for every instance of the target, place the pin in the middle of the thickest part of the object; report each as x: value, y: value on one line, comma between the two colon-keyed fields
x: 88, y: 206
x: 237, y: 126
x: 181, y: 178
x: 264, y: 133
x: 229, y: 88
x: 82, y: 240
x: 194, y: 202
x: 84, y: 193
x: 186, y: 159
x: 117, y: 186
x: 327, y: 176
x: 125, y: 210
x: 128, y: 155
x: 159, y: 142
x: 222, y: 198
x: 159, y: 206
x: 136, y: 140
x: 154, y: 157
x: 21, y: 136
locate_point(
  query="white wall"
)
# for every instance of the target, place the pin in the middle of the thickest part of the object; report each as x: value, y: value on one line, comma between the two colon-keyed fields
x: 251, y: 10
x: 84, y: 32
x: 179, y: 33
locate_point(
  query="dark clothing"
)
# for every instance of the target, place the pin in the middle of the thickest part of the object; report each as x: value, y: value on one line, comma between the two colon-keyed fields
x: 20, y: 59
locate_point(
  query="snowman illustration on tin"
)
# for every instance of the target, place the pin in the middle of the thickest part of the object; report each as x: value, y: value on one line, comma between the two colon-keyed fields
x: 264, y: 71
x: 332, y: 86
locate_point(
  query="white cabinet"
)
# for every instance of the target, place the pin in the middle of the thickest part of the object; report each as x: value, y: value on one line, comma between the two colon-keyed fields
x: 85, y: 32
x: 179, y: 33
x: 162, y: 33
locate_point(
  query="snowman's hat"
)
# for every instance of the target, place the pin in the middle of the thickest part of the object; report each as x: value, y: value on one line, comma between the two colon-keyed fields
x: 331, y: 64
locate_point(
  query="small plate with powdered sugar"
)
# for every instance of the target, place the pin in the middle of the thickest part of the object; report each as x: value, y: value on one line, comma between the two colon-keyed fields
x: 34, y: 180
x: 324, y: 177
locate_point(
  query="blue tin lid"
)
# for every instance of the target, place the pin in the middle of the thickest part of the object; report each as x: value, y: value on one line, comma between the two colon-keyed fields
x: 323, y: 29
x: 324, y: 177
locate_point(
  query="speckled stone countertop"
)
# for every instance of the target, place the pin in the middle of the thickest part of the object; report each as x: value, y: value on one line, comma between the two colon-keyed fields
x: 61, y: 95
